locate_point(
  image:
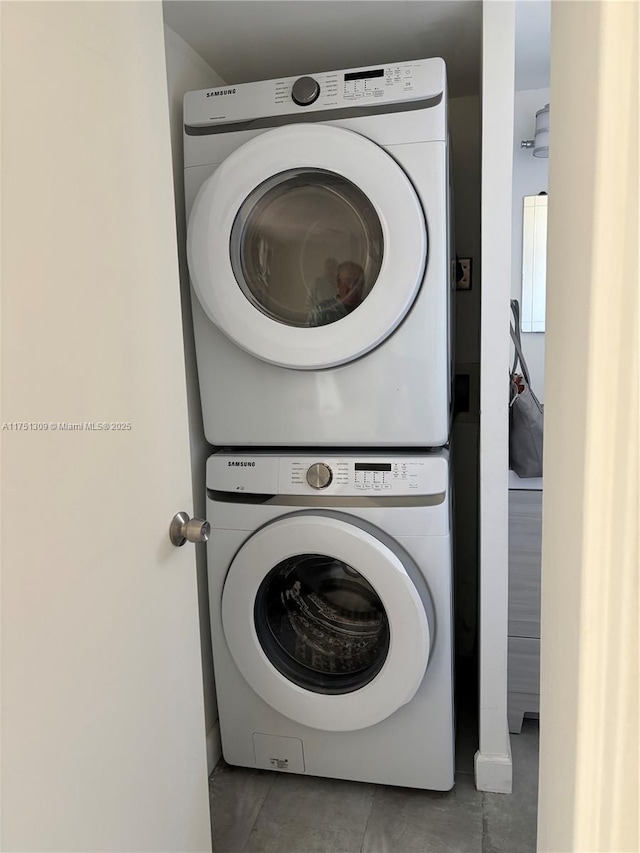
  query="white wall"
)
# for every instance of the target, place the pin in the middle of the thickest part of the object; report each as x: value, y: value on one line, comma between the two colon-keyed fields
x: 590, y: 644
x: 493, y: 761
x: 530, y: 177
x: 187, y: 71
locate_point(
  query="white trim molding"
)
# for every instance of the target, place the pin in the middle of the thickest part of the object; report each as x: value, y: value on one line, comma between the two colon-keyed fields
x: 493, y: 765
x: 494, y: 772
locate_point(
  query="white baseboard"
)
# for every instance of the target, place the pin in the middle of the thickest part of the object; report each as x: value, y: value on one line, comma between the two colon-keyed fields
x: 214, y: 746
x: 493, y: 772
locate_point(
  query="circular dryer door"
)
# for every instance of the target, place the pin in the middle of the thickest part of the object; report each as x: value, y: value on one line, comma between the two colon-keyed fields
x: 307, y: 246
x: 324, y: 622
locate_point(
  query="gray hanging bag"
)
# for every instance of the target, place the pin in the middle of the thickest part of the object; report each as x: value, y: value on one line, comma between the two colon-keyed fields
x: 525, y: 412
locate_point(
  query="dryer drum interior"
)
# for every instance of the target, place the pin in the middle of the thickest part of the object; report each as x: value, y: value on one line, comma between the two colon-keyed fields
x: 292, y: 239
x: 321, y: 624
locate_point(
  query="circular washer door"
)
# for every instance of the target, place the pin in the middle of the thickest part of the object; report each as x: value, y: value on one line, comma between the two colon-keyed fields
x: 324, y: 623
x: 307, y: 246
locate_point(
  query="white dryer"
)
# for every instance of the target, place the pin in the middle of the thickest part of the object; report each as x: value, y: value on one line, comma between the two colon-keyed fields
x: 331, y: 614
x: 319, y: 253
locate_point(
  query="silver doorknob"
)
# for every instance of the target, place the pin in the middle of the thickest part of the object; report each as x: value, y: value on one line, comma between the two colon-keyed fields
x: 184, y: 529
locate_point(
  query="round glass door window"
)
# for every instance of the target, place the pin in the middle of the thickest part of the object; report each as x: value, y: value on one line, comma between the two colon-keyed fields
x: 306, y: 247
x: 321, y: 624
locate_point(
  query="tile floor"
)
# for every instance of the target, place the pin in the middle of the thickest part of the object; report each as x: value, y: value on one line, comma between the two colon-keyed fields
x: 258, y: 810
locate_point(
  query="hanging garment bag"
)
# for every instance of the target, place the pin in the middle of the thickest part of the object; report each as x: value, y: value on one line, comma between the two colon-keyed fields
x: 526, y: 413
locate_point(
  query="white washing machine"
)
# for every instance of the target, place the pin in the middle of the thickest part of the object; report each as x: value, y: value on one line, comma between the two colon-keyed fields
x: 331, y: 614
x: 319, y: 253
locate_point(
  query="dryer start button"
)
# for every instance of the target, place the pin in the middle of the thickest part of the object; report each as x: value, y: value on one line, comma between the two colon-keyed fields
x: 319, y: 475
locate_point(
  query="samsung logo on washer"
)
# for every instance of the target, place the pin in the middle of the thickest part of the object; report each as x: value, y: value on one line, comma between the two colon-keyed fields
x: 241, y: 464
x: 221, y: 92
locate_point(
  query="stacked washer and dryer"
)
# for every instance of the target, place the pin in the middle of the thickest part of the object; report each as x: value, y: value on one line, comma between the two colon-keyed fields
x: 320, y: 260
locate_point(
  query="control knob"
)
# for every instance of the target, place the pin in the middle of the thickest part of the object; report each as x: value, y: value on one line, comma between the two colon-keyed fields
x: 319, y: 475
x: 305, y: 91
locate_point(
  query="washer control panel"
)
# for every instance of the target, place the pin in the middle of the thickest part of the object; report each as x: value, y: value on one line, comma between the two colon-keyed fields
x: 357, y: 475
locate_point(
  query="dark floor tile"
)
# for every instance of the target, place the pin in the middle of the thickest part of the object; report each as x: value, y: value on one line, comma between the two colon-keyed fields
x: 319, y: 803
x: 273, y: 837
x: 510, y: 821
x: 524, y: 752
x: 405, y: 820
x: 306, y: 813
x: 236, y: 796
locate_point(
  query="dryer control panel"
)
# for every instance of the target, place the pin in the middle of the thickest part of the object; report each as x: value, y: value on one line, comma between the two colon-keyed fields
x: 392, y: 475
x: 359, y: 90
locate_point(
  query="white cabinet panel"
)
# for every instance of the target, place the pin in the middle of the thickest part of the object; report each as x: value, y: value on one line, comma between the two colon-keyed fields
x: 525, y: 536
x: 524, y: 665
x: 525, y: 540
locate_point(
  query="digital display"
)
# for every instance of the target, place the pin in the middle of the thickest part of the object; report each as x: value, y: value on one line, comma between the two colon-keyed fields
x: 373, y: 466
x: 364, y: 75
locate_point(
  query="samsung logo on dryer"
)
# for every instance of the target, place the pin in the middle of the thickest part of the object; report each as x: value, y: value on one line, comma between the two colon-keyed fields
x: 221, y: 92
x: 241, y: 464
